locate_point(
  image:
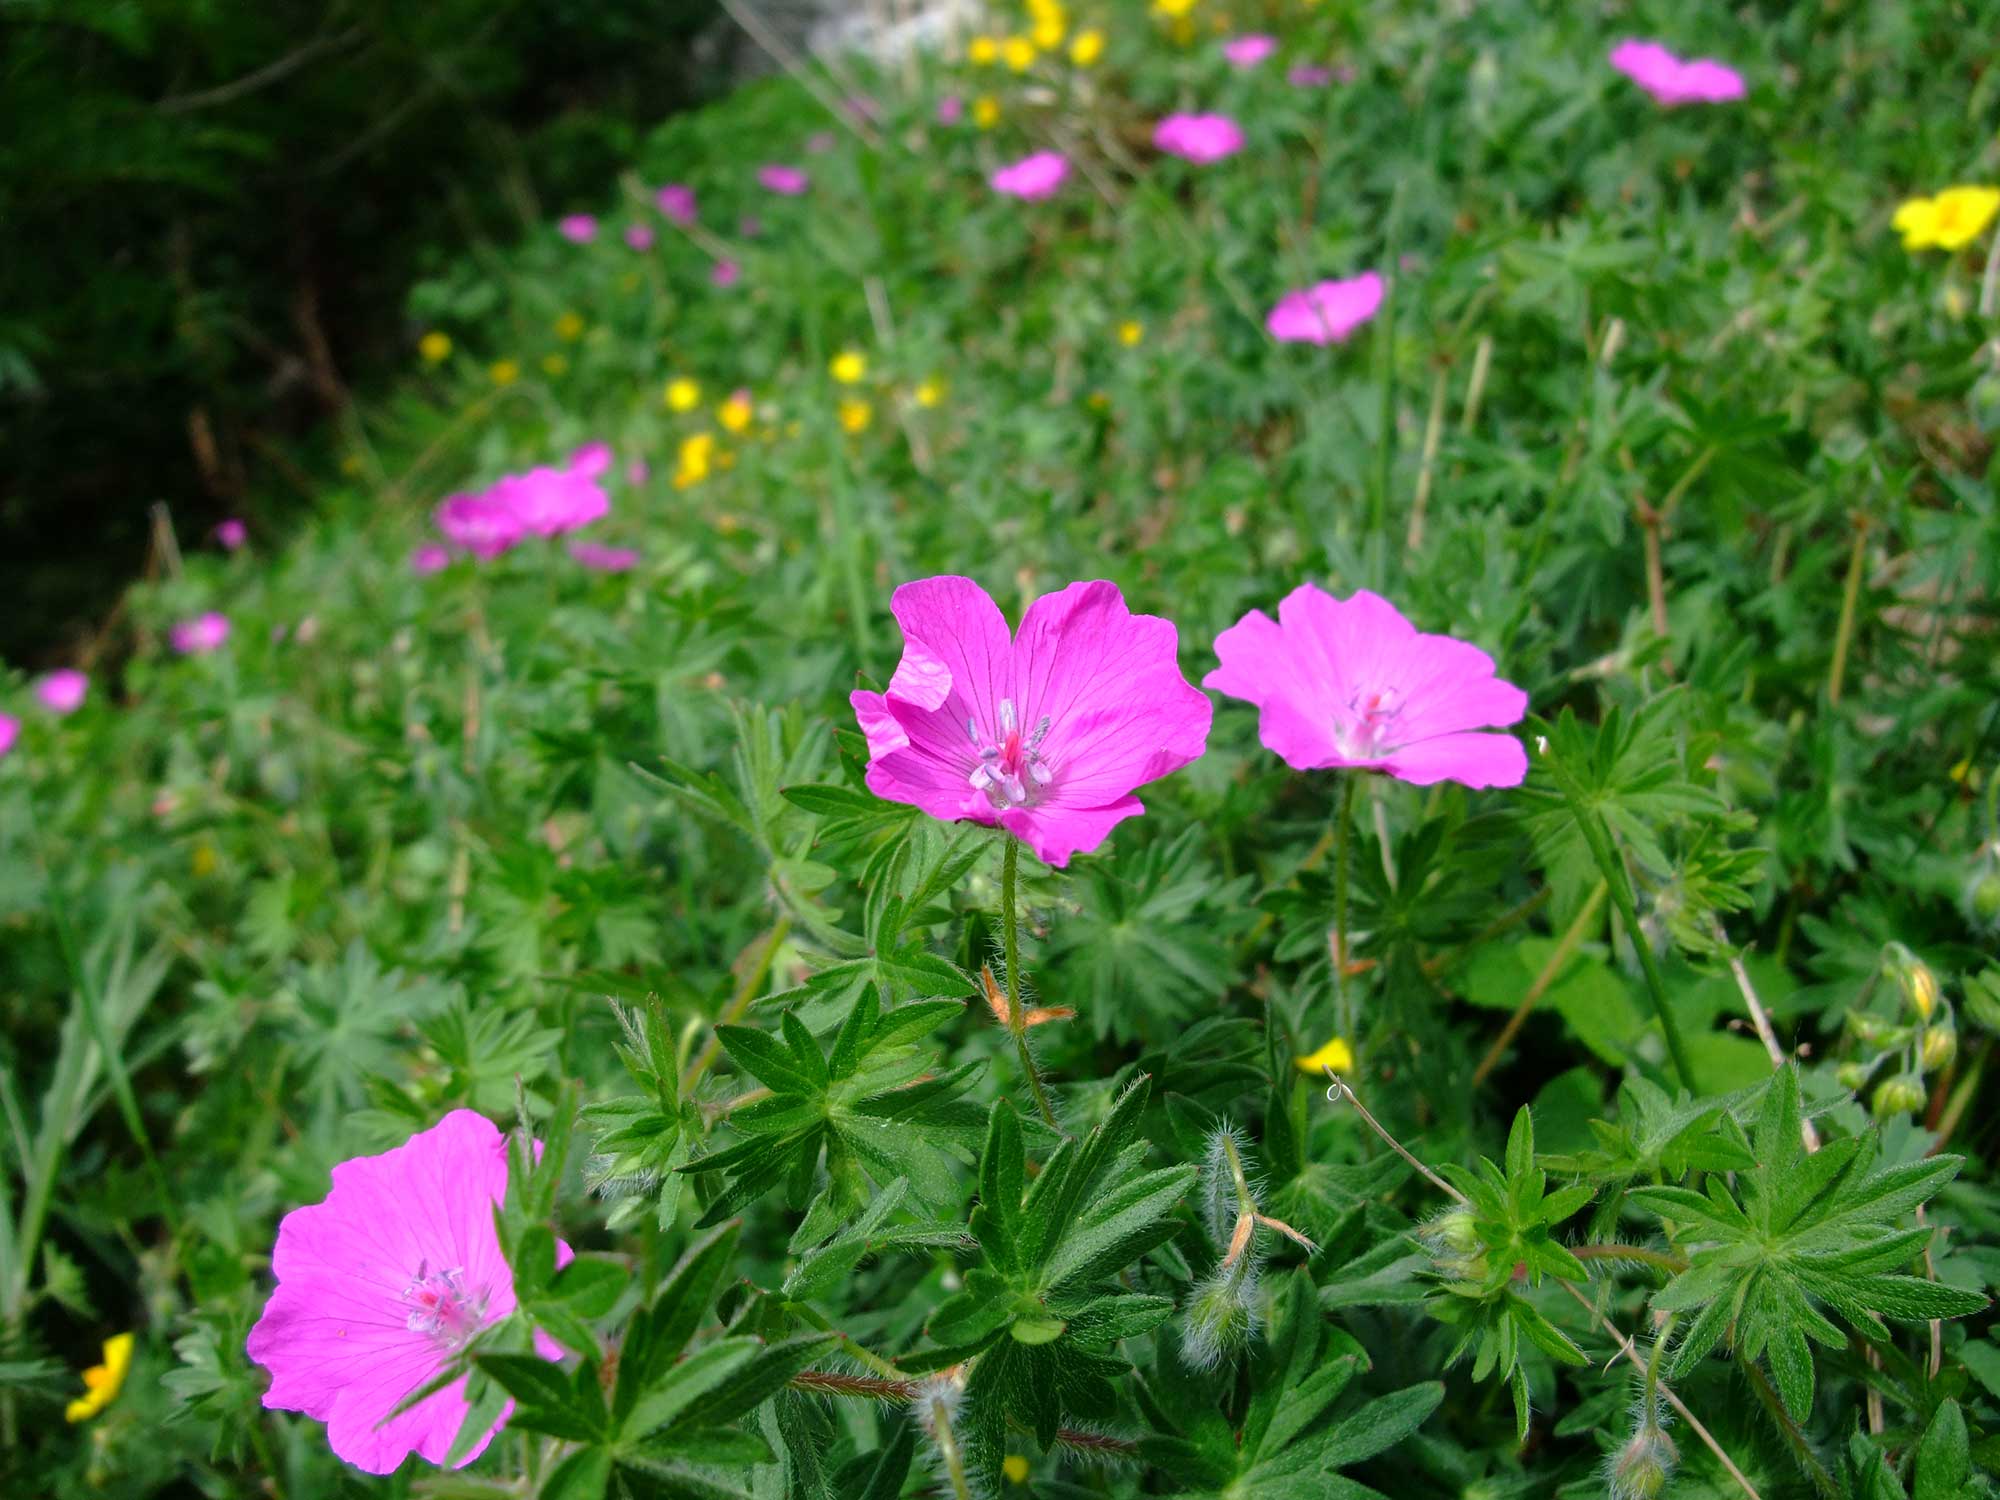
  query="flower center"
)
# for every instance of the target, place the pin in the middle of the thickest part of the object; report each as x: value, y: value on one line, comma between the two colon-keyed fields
x: 1010, y: 769
x: 1367, y: 730
x: 441, y: 1305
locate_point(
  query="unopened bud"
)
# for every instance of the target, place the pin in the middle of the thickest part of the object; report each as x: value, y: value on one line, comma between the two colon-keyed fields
x: 1640, y: 1470
x: 1852, y: 1075
x: 1875, y: 1031
x: 1982, y: 900
x: 1456, y: 1249
x: 1913, y: 977
x: 1940, y: 1047
x: 1220, y: 1316
x: 1901, y: 1095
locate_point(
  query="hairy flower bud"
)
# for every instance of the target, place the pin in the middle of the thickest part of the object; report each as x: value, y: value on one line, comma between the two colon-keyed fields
x: 1940, y: 1046
x: 1640, y: 1470
x: 1852, y: 1075
x: 1455, y: 1246
x: 1220, y: 1315
x: 1913, y: 977
x: 1901, y: 1095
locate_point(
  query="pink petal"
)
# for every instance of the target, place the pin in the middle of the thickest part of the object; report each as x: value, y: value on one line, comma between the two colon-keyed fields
x: 1056, y: 833
x: 1475, y: 760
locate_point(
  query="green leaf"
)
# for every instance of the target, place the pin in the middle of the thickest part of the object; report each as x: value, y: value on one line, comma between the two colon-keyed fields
x: 581, y: 1476
x: 1944, y: 1456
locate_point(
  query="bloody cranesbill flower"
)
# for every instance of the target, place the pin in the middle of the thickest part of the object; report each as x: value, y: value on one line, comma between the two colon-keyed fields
x: 602, y: 559
x: 1352, y: 683
x: 231, y: 534
x: 787, y: 182
x: 431, y: 557
x: 580, y: 229
x: 591, y: 460
x: 549, y: 502
x: 950, y: 110
x: 639, y: 236
x: 1198, y: 138
x: 725, y: 273
x: 201, y: 635
x: 1327, y: 312
x: 62, y: 692
x: 1032, y: 177
x: 1309, y: 76
x: 1671, y: 81
x: 1045, y: 733
x: 10, y: 731
x: 380, y: 1284
x: 481, y: 523
x: 676, y: 201
x: 1248, y: 51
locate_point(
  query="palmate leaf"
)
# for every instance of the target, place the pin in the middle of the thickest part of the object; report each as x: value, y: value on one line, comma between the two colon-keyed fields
x: 1801, y: 1233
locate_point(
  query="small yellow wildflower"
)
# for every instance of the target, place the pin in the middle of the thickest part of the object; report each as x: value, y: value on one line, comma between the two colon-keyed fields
x: 848, y: 367
x: 503, y: 372
x: 1087, y: 48
x: 101, y: 1383
x: 435, y: 347
x: 202, y: 860
x: 986, y: 111
x: 982, y: 52
x: 1015, y: 1468
x: 697, y: 453
x: 1051, y: 25
x: 929, y: 393
x: 569, y: 327
x: 1018, y: 52
x: 683, y: 394
x: 735, y: 413
x: 1336, y: 1055
x: 1130, y: 333
x: 554, y: 365
x: 1950, y: 221
x: 856, y: 415
x: 1173, y: 8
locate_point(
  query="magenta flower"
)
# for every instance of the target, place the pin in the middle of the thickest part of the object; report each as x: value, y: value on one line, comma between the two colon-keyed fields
x: 1046, y: 733
x: 1248, y: 51
x: 1198, y: 138
x: 62, y: 692
x: 1309, y: 76
x: 1326, y: 313
x: 788, y: 182
x: 579, y: 229
x: 1671, y: 81
x: 1032, y: 177
x: 636, y: 471
x: 10, y: 731
x: 381, y: 1283
x: 639, y: 236
x: 725, y: 273
x: 231, y: 534
x: 1352, y: 683
x: 602, y: 559
x: 431, y: 557
x: 483, y: 523
x: 591, y: 460
x: 676, y: 201
x: 950, y: 110
x: 201, y: 635
x: 549, y: 502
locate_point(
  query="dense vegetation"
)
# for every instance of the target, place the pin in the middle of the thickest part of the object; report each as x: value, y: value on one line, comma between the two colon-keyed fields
x: 1328, y: 1132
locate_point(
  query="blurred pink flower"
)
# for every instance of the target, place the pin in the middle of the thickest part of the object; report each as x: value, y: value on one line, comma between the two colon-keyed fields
x: 789, y: 182
x: 1326, y: 313
x: 431, y: 557
x: 1198, y: 138
x: 820, y: 142
x: 676, y: 201
x: 201, y: 635
x: 950, y: 110
x: 62, y: 692
x: 1309, y: 76
x: 549, y: 502
x: 1671, y: 81
x: 482, y: 523
x: 591, y: 460
x: 603, y: 559
x: 639, y: 236
x: 1352, y: 683
x: 231, y: 534
x: 579, y: 228
x: 1032, y: 177
x: 381, y: 1283
x: 1045, y: 733
x: 725, y: 273
x: 10, y: 731
x: 1248, y: 51
x: 636, y: 471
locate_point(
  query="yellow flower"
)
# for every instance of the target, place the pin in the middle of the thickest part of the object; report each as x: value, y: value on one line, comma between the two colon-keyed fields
x: 683, y: 394
x: 848, y: 367
x: 1018, y: 52
x: 1950, y: 221
x: 982, y: 51
x: 856, y: 415
x: 101, y: 1382
x: 554, y: 365
x: 569, y: 327
x: 202, y: 860
x: 1336, y: 1055
x: 1130, y: 333
x: 435, y: 347
x: 1087, y: 48
x: 735, y: 413
x: 697, y: 452
x: 986, y: 111
x: 1174, y: 8
x: 1049, y: 28
x: 929, y: 393
x: 504, y: 372
x: 1015, y: 1468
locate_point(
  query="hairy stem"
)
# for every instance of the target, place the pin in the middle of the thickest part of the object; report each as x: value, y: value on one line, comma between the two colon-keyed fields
x: 1800, y: 1445
x: 1017, y: 1018
x: 1565, y: 946
x: 1843, y: 636
x: 1343, y: 1020
x: 1638, y: 1254
x: 746, y: 992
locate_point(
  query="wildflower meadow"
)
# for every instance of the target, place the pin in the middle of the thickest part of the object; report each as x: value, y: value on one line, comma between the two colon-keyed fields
x: 1196, y: 749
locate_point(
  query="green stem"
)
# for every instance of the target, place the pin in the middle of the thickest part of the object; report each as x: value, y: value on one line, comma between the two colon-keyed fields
x: 1808, y: 1461
x: 1558, y: 958
x: 1638, y: 1254
x: 1843, y: 636
x: 1343, y: 1020
x: 751, y: 987
x: 947, y: 1442
x: 1017, y: 1018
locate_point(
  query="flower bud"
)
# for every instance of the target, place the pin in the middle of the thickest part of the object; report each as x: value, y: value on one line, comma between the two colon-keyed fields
x: 1901, y: 1095
x: 1852, y: 1075
x: 1220, y: 1316
x: 1456, y: 1249
x: 1913, y: 977
x: 1875, y: 1031
x: 1940, y: 1046
x: 1640, y: 1470
x: 1982, y: 900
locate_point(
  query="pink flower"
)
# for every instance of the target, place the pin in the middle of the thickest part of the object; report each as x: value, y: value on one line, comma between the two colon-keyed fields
x: 676, y: 201
x: 580, y: 229
x: 789, y: 182
x: 62, y: 692
x: 950, y: 110
x: 10, y: 731
x: 603, y: 559
x: 591, y: 460
x: 201, y: 635
x: 1032, y: 177
x: 484, y: 524
x: 1248, y: 51
x: 1671, y: 81
x: 639, y: 236
x: 1326, y: 313
x: 231, y: 534
x: 1352, y: 683
x: 725, y: 273
x: 1308, y: 76
x: 381, y: 1283
x: 1198, y: 138
x: 549, y: 502
x: 636, y: 471
x: 1045, y: 734
x: 431, y: 557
